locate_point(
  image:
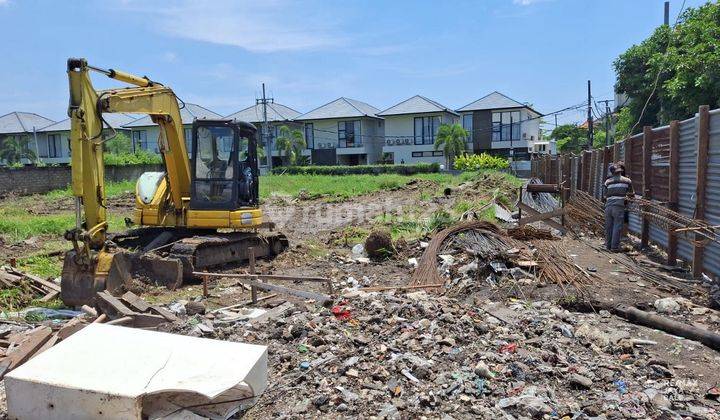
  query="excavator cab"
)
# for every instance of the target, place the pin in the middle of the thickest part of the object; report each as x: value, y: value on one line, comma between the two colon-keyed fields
x: 223, y: 165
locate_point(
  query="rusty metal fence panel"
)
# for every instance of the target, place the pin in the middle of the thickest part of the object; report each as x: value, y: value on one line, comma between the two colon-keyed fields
x: 687, y: 180
x: 599, y: 174
x: 711, y: 261
x: 660, y: 164
x: 636, y: 166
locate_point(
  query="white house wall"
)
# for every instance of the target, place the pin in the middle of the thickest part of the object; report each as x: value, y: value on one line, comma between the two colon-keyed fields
x: 402, y: 128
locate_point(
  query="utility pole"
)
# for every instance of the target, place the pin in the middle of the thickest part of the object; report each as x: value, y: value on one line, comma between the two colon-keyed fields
x: 589, y: 120
x: 608, y: 141
x: 667, y: 13
x: 265, y: 129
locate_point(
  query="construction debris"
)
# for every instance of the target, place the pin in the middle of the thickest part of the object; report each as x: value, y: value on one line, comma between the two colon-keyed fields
x: 113, y: 372
x: 37, y: 288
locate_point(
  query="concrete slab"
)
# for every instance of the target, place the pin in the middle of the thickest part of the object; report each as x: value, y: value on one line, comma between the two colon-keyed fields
x: 113, y: 372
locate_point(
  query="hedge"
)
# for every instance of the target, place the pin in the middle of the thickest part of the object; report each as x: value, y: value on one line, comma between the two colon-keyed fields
x: 419, y: 168
x: 479, y: 162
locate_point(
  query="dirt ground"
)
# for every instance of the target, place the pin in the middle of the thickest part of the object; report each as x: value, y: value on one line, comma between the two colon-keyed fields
x: 322, y: 235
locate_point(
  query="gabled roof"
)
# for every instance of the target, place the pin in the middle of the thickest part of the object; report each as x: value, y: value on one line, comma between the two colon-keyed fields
x: 115, y: 121
x: 495, y: 100
x: 275, y: 112
x: 341, y: 108
x: 416, y: 105
x: 22, y: 122
x: 188, y: 114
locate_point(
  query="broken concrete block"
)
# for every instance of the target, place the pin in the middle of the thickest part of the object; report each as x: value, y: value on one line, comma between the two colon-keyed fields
x: 111, y: 372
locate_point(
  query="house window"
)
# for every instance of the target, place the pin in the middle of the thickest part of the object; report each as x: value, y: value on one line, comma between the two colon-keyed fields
x: 437, y: 153
x: 188, y: 140
x: 349, y: 134
x: 506, y: 126
x: 425, y: 129
x: 310, y: 135
x: 417, y: 154
x: 54, y: 144
x: 140, y: 139
x: 427, y: 154
x: 467, y: 125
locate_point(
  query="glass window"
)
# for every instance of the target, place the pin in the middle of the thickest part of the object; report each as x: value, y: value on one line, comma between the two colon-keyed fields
x: 310, y: 135
x: 54, y: 146
x: 467, y: 124
x: 349, y: 134
x: 188, y: 140
x: 214, y: 163
x: 426, y: 129
x: 140, y: 139
x: 506, y: 125
x: 417, y: 154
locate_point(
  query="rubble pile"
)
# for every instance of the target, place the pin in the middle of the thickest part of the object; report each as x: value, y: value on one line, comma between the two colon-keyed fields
x: 384, y: 355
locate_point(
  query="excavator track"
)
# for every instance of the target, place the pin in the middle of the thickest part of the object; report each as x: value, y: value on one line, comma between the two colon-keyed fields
x: 158, y: 251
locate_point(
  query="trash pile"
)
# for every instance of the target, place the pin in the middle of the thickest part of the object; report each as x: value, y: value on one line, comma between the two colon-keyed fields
x: 390, y: 356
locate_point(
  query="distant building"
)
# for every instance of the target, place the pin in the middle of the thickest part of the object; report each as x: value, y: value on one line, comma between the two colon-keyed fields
x: 411, y: 127
x: 145, y: 132
x: 344, y: 132
x: 54, y: 140
x: 500, y: 125
x: 543, y: 147
x: 278, y: 115
x: 23, y: 126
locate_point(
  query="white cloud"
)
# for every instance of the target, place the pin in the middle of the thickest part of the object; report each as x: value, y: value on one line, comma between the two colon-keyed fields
x: 527, y: 2
x: 269, y: 26
x: 170, y: 56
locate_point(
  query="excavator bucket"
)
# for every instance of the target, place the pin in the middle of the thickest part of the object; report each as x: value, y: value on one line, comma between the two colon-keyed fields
x: 114, y: 272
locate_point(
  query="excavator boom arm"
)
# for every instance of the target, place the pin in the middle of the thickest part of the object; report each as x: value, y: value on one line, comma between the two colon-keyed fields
x: 86, y: 140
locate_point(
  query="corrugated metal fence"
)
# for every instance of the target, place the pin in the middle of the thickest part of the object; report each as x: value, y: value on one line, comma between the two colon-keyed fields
x: 671, y: 165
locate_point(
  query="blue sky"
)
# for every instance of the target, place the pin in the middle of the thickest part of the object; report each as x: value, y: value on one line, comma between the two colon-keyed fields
x: 217, y: 53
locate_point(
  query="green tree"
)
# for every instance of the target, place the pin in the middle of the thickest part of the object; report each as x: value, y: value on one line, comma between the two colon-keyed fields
x: 119, y: 144
x: 570, y: 138
x: 678, y: 69
x: 451, y: 138
x: 14, y: 149
x: 290, y: 144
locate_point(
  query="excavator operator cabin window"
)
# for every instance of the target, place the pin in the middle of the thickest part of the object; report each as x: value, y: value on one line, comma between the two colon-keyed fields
x: 215, y: 164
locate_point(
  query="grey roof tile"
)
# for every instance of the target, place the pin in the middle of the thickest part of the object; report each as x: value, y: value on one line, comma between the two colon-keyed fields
x: 416, y: 105
x: 188, y: 114
x: 275, y: 112
x: 494, y: 100
x: 115, y: 121
x: 341, y: 108
x: 22, y: 122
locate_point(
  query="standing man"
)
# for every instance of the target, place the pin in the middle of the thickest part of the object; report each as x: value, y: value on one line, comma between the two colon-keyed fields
x: 616, y: 188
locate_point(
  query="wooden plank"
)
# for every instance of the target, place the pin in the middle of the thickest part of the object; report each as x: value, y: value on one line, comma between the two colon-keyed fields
x: 673, y: 198
x: 647, y: 179
x: 703, y: 136
x: 50, y: 296
x: 112, y: 306
x: 135, y: 302
x: 47, y: 284
x: 148, y: 320
x: 248, y: 279
x: 32, y: 341
x: 164, y: 313
x: 70, y: 328
x: 549, y: 222
x: 51, y: 342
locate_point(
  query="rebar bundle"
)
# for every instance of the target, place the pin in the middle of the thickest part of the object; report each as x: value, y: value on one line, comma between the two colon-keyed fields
x: 586, y: 212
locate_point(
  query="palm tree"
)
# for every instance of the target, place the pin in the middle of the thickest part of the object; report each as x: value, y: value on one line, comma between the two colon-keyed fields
x: 451, y: 138
x: 13, y: 149
x: 290, y: 143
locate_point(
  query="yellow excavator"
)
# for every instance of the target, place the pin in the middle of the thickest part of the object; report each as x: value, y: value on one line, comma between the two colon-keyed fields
x: 202, y: 211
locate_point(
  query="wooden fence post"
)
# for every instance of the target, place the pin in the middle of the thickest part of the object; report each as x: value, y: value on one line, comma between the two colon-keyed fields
x: 703, y: 137
x: 647, y: 180
x: 628, y: 156
x: 673, y: 188
x: 591, y: 173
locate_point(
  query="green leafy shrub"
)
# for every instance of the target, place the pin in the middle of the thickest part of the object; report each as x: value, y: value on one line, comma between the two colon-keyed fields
x: 479, y: 162
x: 140, y: 157
x: 420, y: 168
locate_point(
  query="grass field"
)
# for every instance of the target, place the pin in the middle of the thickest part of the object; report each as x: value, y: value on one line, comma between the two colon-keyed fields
x: 48, y: 216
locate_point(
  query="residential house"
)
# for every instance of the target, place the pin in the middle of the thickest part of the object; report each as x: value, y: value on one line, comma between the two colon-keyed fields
x: 22, y: 126
x: 501, y: 125
x: 411, y: 128
x: 544, y: 147
x: 145, y: 132
x: 277, y: 116
x: 53, y: 141
x: 344, y: 132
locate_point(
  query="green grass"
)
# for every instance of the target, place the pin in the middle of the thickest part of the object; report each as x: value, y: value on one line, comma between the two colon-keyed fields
x: 346, y: 186
x: 112, y: 190
x: 18, y: 225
